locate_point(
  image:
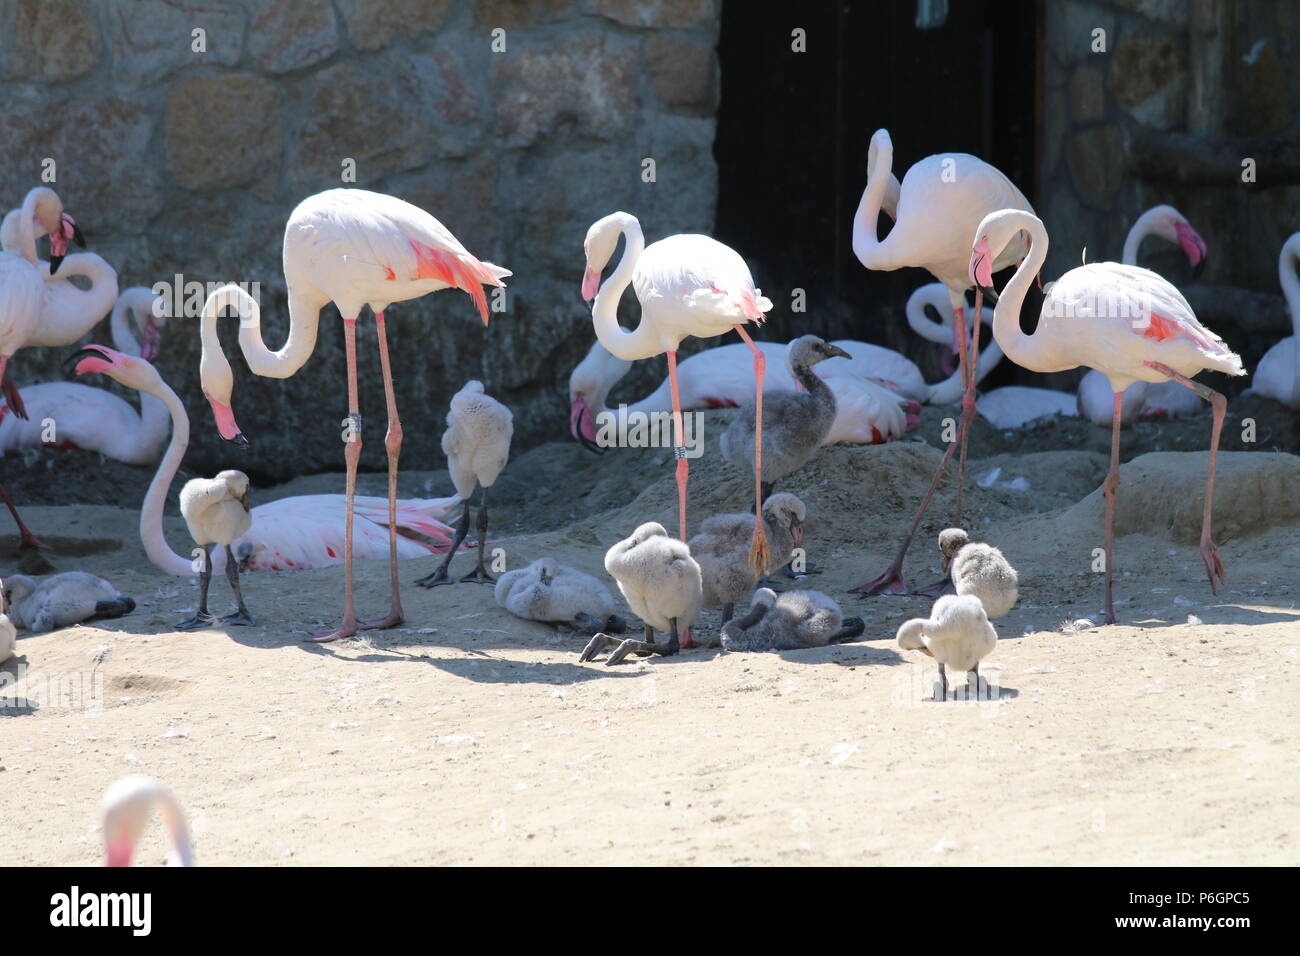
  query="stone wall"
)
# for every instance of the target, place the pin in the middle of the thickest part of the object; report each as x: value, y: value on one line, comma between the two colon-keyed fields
x: 1184, y: 91
x: 177, y: 161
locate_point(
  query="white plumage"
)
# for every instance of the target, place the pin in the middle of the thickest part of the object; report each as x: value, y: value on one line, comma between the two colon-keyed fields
x: 791, y: 621
x: 216, y: 510
x: 956, y: 634
x: 657, y: 576
x: 1014, y: 406
x: 127, y: 806
x: 8, y: 633
x: 477, y: 439
x: 555, y: 593
x: 1278, y: 374
x: 62, y: 600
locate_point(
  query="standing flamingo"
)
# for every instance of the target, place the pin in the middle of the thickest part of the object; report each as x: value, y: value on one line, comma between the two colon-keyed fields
x: 687, y: 285
x: 1278, y: 374
x: 354, y: 248
x: 940, y: 201
x: 1124, y: 321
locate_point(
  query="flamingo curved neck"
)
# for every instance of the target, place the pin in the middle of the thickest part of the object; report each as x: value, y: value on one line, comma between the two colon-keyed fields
x: 921, y: 323
x: 643, y: 342
x: 1133, y: 241
x: 71, y: 312
x: 865, y: 243
x: 26, y: 232
x: 151, y: 513
x: 1033, y: 352
x: 951, y: 389
x: 304, y: 321
x: 1286, y: 272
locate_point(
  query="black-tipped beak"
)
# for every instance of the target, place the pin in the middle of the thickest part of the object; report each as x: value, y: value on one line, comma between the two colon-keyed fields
x: 1199, y: 268
x: 70, y: 363
x: 990, y: 294
x: 77, y: 237
x: 239, y: 440
x: 55, y: 262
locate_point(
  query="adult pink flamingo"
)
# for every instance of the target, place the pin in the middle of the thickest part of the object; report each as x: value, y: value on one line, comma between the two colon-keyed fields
x: 687, y: 285
x: 1124, y: 321
x: 354, y: 248
x: 941, y: 200
x: 1167, y: 399
x: 288, y: 534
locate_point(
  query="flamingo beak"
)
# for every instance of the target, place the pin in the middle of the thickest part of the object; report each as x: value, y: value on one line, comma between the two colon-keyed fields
x: 93, y: 359
x: 119, y: 852
x: 796, y: 533
x: 150, y: 340
x: 581, y: 426
x: 834, y: 351
x: 590, y: 283
x: 226, y: 426
x: 980, y: 271
x: 1193, y: 246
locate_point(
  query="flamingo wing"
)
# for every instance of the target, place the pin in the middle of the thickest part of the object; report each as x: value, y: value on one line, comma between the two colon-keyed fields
x: 698, y: 273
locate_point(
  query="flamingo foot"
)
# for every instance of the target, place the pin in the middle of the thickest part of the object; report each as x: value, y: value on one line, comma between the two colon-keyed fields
x: 29, y: 541
x: 686, y: 641
x: 891, y: 582
x: 479, y: 575
x: 198, y: 622
x: 435, y: 579
x: 937, y: 589
x: 1109, y: 616
x: 1213, y: 566
x: 239, y: 619
x: 391, y: 619
x: 347, y: 629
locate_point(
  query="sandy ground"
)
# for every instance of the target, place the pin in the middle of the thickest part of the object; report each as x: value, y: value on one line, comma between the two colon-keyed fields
x: 468, y: 736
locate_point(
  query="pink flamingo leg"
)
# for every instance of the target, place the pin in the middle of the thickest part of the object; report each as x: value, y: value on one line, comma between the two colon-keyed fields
x: 683, y: 469
x: 968, y: 399
x: 352, y: 454
x: 393, y: 445
x: 1219, y: 405
x: 679, y: 447
x: 891, y: 582
x: 25, y: 536
x: 760, y: 557
x: 1111, y: 486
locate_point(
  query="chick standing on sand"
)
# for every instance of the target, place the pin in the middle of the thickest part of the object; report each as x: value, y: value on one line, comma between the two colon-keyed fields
x: 555, y: 593
x: 979, y: 569
x: 956, y: 634
x: 62, y: 600
x: 662, y: 585
x: 216, y: 511
x: 477, y: 446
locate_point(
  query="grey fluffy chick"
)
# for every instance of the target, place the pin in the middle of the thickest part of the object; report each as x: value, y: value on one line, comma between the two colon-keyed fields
x: 794, y: 620
x: 722, y: 549
x: 62, y: 600
x: 981, y: 570
x: 661, y: 582
x: 794, y: 423
x: 477, y: 446
x: 555, y: 593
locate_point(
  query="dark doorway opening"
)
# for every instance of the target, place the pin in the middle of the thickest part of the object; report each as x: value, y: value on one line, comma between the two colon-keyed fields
x: 793, y: 130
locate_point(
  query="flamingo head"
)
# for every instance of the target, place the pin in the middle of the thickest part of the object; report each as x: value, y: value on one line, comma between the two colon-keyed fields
x: 951, y: 540
x: 599, y: 246
x: 1193, y: 246
x: 786, y: 510
x: 582, y: 425
x: 65, y: 230
x: 980, y: 272
x: 101, y: 360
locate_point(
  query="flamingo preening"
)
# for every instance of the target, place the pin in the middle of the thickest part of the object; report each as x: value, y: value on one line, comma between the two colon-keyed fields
x: 939, y: 202
x: 1124, y: 321
x: 687, y: 285
x: 354, y: 248
x: 1278, y: 374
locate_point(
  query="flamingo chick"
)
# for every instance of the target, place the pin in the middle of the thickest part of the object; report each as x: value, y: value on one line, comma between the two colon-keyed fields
x: 477, y: 445
x: 62, y: 600
x: 8, y: 633
x: 662, y: 585
x: 1124, y: 321
x: 797, y: 422
x: 555, y: 593
x: 721, y: 546
x: 791, y: 622
x: 956, y: 634
x: 216, y: 511
x: 127, y: 806
x: 979, y: 569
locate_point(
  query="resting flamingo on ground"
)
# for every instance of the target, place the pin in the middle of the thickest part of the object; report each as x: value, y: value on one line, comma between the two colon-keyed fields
x: 940, y: 201
x: 1165, y: 399
x: 354, y: 248
x: 92, y: 418
x: 288, y: 534
x: 1278, y: 374
x: 723, y: 377
x: 67, y: 311
x: 687, y: 285
x: 1124, y: 321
